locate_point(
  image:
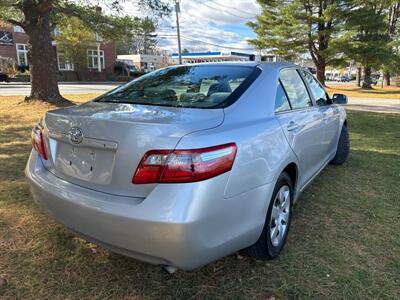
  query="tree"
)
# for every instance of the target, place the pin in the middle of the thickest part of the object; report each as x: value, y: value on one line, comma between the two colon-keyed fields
x: 72, y: 40
x: 141, y: 39
x: 292, y: 28
x: 366, y: 39
x: 39, y: 18
x: 393, y: 21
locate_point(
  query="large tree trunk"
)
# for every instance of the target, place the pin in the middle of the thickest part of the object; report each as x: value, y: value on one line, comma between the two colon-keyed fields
x: 321, y: 71
x: 42, y: 57
x: 386, y: 78
x: 366, y: 84
x: 358, y: 76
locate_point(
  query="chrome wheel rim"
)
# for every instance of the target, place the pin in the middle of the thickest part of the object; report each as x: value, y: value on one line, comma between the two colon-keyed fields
x: 280, y: 215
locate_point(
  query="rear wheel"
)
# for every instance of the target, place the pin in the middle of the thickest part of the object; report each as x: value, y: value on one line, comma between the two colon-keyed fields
x: 277, y: 223
x: 343, y: 148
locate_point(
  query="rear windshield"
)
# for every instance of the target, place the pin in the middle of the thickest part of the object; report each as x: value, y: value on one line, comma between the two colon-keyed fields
x: 185, y: 86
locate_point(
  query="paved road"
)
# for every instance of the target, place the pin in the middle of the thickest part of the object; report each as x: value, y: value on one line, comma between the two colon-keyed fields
x: 375, y: 104
x: 23, y: 89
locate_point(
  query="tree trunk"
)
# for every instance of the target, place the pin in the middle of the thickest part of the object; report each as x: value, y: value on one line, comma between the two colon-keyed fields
x: 366, y: 84
x: 386, y: 78
x: 321, y: 72
x: 43, y: 62
x: 358, y: 76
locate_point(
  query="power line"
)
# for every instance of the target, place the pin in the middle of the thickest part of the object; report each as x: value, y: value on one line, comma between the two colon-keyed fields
x: 227, y: 12
x: 231, y: 7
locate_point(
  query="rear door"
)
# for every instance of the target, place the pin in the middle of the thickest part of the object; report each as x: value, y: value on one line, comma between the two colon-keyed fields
x: 301, y: 122
x: 330, y: 114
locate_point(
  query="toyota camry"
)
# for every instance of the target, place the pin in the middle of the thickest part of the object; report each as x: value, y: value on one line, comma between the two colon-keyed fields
x: 188, y: 164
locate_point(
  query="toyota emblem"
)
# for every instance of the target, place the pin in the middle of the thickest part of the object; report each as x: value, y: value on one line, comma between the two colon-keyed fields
x: 76, y: 135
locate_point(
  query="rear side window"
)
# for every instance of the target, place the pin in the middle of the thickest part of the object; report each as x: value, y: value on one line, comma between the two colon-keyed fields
x: 186, y: 86
x: 295, y: 89
x: 281, y: 101
x: 316, y: 88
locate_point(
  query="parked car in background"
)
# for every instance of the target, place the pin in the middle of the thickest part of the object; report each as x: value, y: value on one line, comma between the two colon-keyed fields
x: 124, y: 68
x: 187, y: 164
x: 373, y: 79
x: 343, y: 78
x: 329, y: 77
x: 4, y: 77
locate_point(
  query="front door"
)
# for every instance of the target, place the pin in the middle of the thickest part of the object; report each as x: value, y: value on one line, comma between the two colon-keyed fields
x: 329, y: 112
x: 301, y: 123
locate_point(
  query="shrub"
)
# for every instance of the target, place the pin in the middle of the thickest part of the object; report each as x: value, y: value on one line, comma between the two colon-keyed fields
x: 8, y: 66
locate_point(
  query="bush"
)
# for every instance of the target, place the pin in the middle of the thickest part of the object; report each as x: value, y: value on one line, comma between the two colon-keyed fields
x: 8, y: 66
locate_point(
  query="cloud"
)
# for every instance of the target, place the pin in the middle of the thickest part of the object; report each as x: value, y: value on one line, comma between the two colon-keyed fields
x: 210, y: 25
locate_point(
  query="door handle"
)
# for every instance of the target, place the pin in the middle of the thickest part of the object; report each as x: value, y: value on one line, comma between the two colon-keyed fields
x: 292, y: 126
x: 325, y: 116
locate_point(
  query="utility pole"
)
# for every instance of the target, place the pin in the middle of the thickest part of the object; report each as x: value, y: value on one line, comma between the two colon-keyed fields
x: 177, y: 11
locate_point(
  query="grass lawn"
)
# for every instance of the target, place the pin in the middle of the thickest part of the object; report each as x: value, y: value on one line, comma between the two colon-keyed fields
x: 344, y: 241
x: 388, y: 92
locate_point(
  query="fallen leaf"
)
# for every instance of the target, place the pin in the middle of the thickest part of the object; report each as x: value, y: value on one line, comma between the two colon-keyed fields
x: 238, y: 256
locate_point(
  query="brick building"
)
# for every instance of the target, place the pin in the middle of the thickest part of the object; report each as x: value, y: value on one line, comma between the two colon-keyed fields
x: 14, y: 44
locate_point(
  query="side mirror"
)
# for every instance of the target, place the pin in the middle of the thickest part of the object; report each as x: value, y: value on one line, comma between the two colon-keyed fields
x: 339, y: 99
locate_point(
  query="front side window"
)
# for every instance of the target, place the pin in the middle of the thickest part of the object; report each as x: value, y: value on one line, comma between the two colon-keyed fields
x: 22, y: 55
x: 183, y: 86
x: 281, y: 101
x: 93, y: 58
x: 295, y: 89
x: 316, y: 88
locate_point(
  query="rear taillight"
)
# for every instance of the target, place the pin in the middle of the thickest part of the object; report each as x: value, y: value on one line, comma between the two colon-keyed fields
x: 178, y: 166
x: 38, y: 141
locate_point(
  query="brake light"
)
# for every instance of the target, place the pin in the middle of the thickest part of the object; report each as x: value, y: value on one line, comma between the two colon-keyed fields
x: 38, y: 141
x: 179, y: 166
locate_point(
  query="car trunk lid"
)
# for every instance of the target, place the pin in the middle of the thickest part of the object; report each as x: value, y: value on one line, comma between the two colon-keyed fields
x: 99, y: 145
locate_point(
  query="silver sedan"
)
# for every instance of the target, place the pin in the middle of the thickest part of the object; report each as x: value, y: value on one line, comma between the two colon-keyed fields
x: 188, y: 164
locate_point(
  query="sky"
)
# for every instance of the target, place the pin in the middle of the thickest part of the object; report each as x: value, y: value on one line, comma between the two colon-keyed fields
x: 209, y: 25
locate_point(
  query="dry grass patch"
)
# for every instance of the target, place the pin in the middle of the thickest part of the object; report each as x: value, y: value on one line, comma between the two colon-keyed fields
x: 344, y: 243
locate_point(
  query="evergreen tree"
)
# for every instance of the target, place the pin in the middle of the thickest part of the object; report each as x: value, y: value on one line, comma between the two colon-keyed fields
x: 366, y: 39
x: 393, y: 64
x: 292, y: 28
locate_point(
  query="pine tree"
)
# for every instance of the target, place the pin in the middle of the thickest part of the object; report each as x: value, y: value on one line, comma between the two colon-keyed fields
x: 366, y: 39
x: 292, y: 28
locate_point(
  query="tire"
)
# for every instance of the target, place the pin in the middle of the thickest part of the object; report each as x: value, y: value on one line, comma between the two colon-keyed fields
x: 266, y: 247
x: 343, y: 148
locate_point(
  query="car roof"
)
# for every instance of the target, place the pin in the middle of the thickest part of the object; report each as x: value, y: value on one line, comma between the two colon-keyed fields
x: 261, y: 65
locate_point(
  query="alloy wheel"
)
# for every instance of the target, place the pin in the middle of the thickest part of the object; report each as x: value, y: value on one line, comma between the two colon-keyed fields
x: 280, y: 215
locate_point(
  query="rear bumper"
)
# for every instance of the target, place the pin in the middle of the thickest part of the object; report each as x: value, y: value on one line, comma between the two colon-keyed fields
x: 183, y: 225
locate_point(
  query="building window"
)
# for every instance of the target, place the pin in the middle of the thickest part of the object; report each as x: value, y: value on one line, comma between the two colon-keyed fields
x: 93, y: 59
x: 22, y: 54
x: 18, y: 29
x: 63, y: 63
